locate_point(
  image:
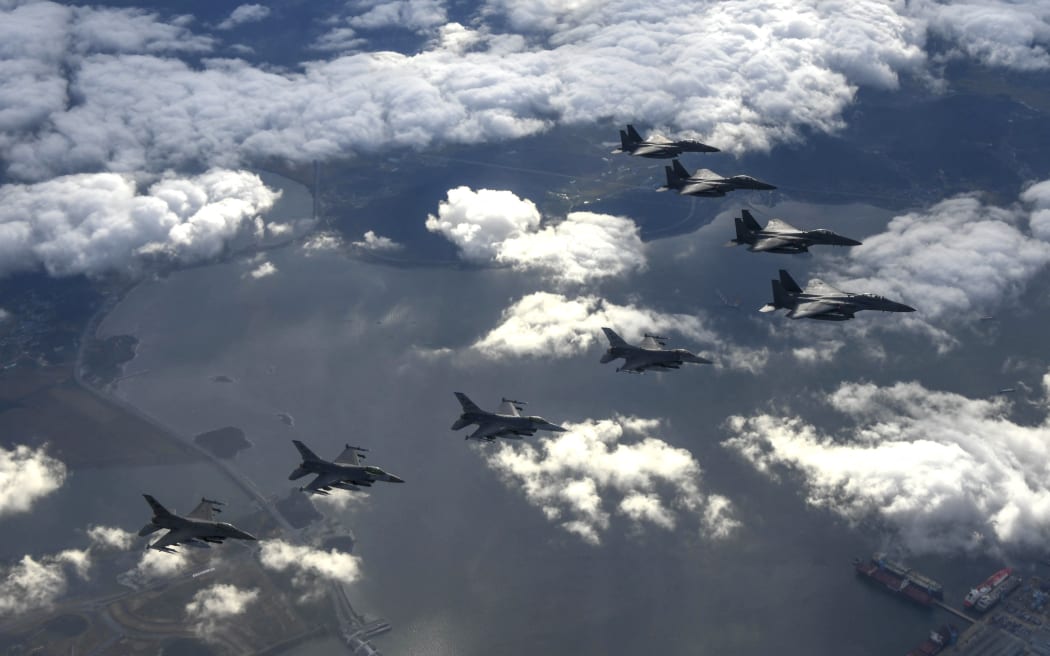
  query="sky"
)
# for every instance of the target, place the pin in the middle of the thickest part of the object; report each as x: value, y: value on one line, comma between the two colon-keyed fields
x: 132, y: 135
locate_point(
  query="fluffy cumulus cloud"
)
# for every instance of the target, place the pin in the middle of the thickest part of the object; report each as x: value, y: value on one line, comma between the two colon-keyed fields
x: 943, y: 471
x: 264, y: 270
x: 34, y: 583
x: 544, y: 324
x: 745, y: 75
x: 309, y: 565
x: 490, y: 226
x: 955, y: 261
x: 378, y: 243
x: 601, y: 468
x: 244, y: 14
x: 1002, y: 34
x: 415, y: 15
x: 110, y: 537
x: 95, y: 223
x: 161, y: 564
x: 215, y: 604
x: 27, y: 474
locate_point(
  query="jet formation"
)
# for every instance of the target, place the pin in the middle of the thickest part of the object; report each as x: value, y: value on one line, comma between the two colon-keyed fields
x: 706, y: 182
x: 505, y: 422
x: 821, y: 301
x: 345, y: 472
x: 197, y: 529
x: 658, y: 147
x: 781, y: 237
x: 650, y: 354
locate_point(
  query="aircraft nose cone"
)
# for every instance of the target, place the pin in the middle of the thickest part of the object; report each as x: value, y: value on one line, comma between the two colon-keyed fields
x: 556, y: 428
x: 846, y: 241
x: 901, y: 307
x: 395, y: 479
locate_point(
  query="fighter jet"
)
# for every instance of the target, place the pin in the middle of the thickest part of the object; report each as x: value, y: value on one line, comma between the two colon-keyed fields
x: 706, y: 182
x: 650, y: 354
x: 505, y: 422
x: 658, y: 147
x: 345, y: 472
x: 822, y: 301
x: 197, y: 529
x: 780, y: 237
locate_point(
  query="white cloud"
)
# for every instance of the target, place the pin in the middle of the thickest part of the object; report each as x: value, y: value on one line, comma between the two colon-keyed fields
x: 263, y: 270
x: 95, y: 223
x: 308, y: 564
x: 35, y: 583
x: 745, y: 75
x: 823, y: 351
x: 954, y: 262
x: 110, y: 537
x: 27, y: 474
x: 374, y: 242
x: 414, y: 15
x: 497, y: 227
x: 934, y: 466
x: 322, y: 242
x: 1012, y: 35
x: 161, y: 564
x: 581, y: 477
x: 244, y: 14
x: 543, y: 324
x: 210, y: 606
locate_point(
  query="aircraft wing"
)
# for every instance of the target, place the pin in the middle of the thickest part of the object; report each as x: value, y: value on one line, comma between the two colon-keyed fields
x: 701, y: 188
x: 818, y: 287
x: 487, y: 431
x: 635, y: 363
x: 651, y: 342
x: 508, y: 408
x: 206, y: 510
x: 778, y: 225
x: 769, y: 243
x: 171, y: 538
x: 323, y: 481
x: 813, y: 308
x: 351, y: 455
x: 649, y: 149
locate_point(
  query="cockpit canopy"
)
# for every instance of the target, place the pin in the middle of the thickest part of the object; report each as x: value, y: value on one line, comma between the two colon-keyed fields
x: 375, y: 471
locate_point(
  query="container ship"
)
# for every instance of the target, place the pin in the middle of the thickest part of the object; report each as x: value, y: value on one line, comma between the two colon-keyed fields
x: 987, y: 593
x: 936, y: 642
x: 899, y: 579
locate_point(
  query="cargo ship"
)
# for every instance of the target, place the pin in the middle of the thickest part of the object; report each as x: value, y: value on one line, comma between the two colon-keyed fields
x: 899, y: 579
x: 987, y: 590
x: 936, y: 642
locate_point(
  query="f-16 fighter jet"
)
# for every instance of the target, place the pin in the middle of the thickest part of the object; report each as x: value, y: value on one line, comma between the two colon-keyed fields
x: 822, y: 301
x: 650, y: 354
x: 780, y: 237
x: 345, y: 472
x: 658, y: 147
x: 505, y: 422
x: 706, y: 182
x: 197, y: 529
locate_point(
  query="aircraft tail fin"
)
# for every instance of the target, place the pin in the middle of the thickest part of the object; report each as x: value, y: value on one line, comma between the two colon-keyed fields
x: 679, y: 170
x: 305, y: 451
x: 789, y: 283
x: 743, y: 235
x: 780, y: 296
x: 468, y: 405
x: 614, y: 339
x: 749, y: 221
x: 158, y: 510
x: 625, y: 142
x: 672, y: 180
x: 632, y: 134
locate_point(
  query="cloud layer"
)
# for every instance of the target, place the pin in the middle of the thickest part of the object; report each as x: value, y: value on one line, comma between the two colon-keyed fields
x: 582, y: 477
x: 27, y: 474
x: 96, y: 223
x: 214, y: 604
x: 944, y: 472
x: 309, y: 566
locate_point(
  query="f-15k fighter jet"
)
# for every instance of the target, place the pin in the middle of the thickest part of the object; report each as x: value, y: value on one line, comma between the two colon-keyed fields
x: 780, y: 237
x: 822, y: 301
x: 706, y: 182
x: 658, y: 147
